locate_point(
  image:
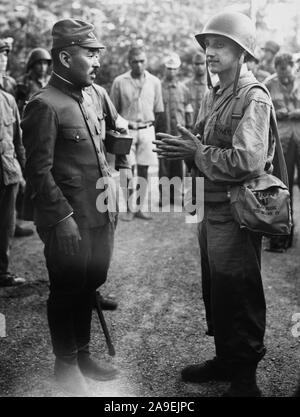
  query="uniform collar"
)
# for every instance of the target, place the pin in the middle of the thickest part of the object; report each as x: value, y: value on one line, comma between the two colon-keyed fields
x: 245, y: 78
x: 128, y: 75
x: 66, y: 86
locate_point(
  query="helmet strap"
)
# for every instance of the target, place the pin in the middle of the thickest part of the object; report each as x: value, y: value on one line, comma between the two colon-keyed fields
x: 209, y: 83
x: 238, y: 73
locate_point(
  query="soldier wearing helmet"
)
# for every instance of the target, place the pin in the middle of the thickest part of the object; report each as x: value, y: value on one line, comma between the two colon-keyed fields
x: 7, y: 83
x: 270, y: 49
x: 285, y: 93
x: 197, y: 85
x: 36, y: 77
x: 225, y: 153
x: 253, y: 65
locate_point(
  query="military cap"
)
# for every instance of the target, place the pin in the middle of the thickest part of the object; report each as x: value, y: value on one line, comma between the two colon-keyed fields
x: 70, y: 32
x: 271, y: 46
x: 172, y: 61
x: 6, y: 44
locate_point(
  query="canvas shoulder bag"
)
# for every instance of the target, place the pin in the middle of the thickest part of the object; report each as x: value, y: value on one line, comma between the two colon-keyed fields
x: 262, y: 203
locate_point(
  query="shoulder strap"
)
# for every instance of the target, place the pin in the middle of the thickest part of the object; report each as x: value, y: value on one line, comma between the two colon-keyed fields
x: 237, y: 114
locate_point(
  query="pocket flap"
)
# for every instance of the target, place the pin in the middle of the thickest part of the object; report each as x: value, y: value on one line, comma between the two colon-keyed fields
x: 75, y: 134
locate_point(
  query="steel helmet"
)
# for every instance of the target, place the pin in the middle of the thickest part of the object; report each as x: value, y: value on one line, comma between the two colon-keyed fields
x: 36, y: 55
x: 271, y: 46
x: 235, y: 26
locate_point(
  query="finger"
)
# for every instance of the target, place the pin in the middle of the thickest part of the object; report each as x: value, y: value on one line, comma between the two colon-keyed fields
x: 157, y: 142
x: 176, y: 142
x: 171, y: 158
x: 75, y: 244
x: 186, y: 132
x: 172, y: 155
x: 170, y: 148
x: 64, y: 246
x: 166, y: 135
x: 72, y: 245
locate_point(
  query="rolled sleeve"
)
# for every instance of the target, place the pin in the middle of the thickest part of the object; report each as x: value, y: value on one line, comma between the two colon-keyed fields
x: 249, y: 152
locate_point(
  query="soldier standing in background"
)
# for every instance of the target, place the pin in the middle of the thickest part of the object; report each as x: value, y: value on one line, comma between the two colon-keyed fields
x: 7, y: 83
x: 271, y: 48
x: 12, y: 161
x: 285, y: 95
x: 36, y: 77
x: 197, y: 85
x: 253, y: 65
x: 177, y: 110
x: 137, y: 96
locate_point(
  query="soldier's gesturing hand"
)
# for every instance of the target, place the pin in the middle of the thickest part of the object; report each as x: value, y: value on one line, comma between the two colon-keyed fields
x: 68, y: 236
x: 176, y: 147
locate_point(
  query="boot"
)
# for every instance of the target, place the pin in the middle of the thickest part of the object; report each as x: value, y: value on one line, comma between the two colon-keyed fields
x: 243, y: 383
x: 108, y: 303
x: 94, y: 369
x: 70, y: 379
x: 211, y: 370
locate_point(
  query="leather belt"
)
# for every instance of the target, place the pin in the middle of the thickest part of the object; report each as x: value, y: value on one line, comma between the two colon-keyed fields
x: 137, y: 126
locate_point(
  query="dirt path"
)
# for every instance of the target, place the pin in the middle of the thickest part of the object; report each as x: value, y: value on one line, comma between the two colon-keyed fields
x: 159, y: 326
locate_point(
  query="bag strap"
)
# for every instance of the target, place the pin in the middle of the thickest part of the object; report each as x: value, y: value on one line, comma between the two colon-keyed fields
x: 237, y: 114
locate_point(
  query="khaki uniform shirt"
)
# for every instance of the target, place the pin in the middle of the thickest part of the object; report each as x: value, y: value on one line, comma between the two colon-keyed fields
x: 287, y: 98
x: 137, y: 101
x: 225, y: 157
x: 8, y: 84
x: 177, y: 104
x: 12, y: 153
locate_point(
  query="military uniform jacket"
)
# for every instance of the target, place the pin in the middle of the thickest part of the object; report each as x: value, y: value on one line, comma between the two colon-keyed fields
x: 285, y: 98
x: 226, y: 157
x: 26, y: 87
x: 12, y: 153
x: 65, y: 154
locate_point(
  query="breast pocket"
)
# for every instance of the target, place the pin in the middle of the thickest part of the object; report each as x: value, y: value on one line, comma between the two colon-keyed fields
x: 76, y: 135
x: 222, y: 135
x: 6, y: 126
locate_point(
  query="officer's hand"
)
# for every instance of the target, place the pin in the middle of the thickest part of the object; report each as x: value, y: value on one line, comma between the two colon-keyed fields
x: 176, y: 147
x: 121, y: 125
x: 295, y: 114
x: 68, y: 236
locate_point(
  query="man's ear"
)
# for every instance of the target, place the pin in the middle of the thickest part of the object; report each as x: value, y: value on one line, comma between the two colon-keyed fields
x: 65, y: 58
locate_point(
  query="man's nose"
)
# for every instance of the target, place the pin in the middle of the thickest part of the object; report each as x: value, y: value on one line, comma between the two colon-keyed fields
x: 96, y: 62
x: 210, y: 52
